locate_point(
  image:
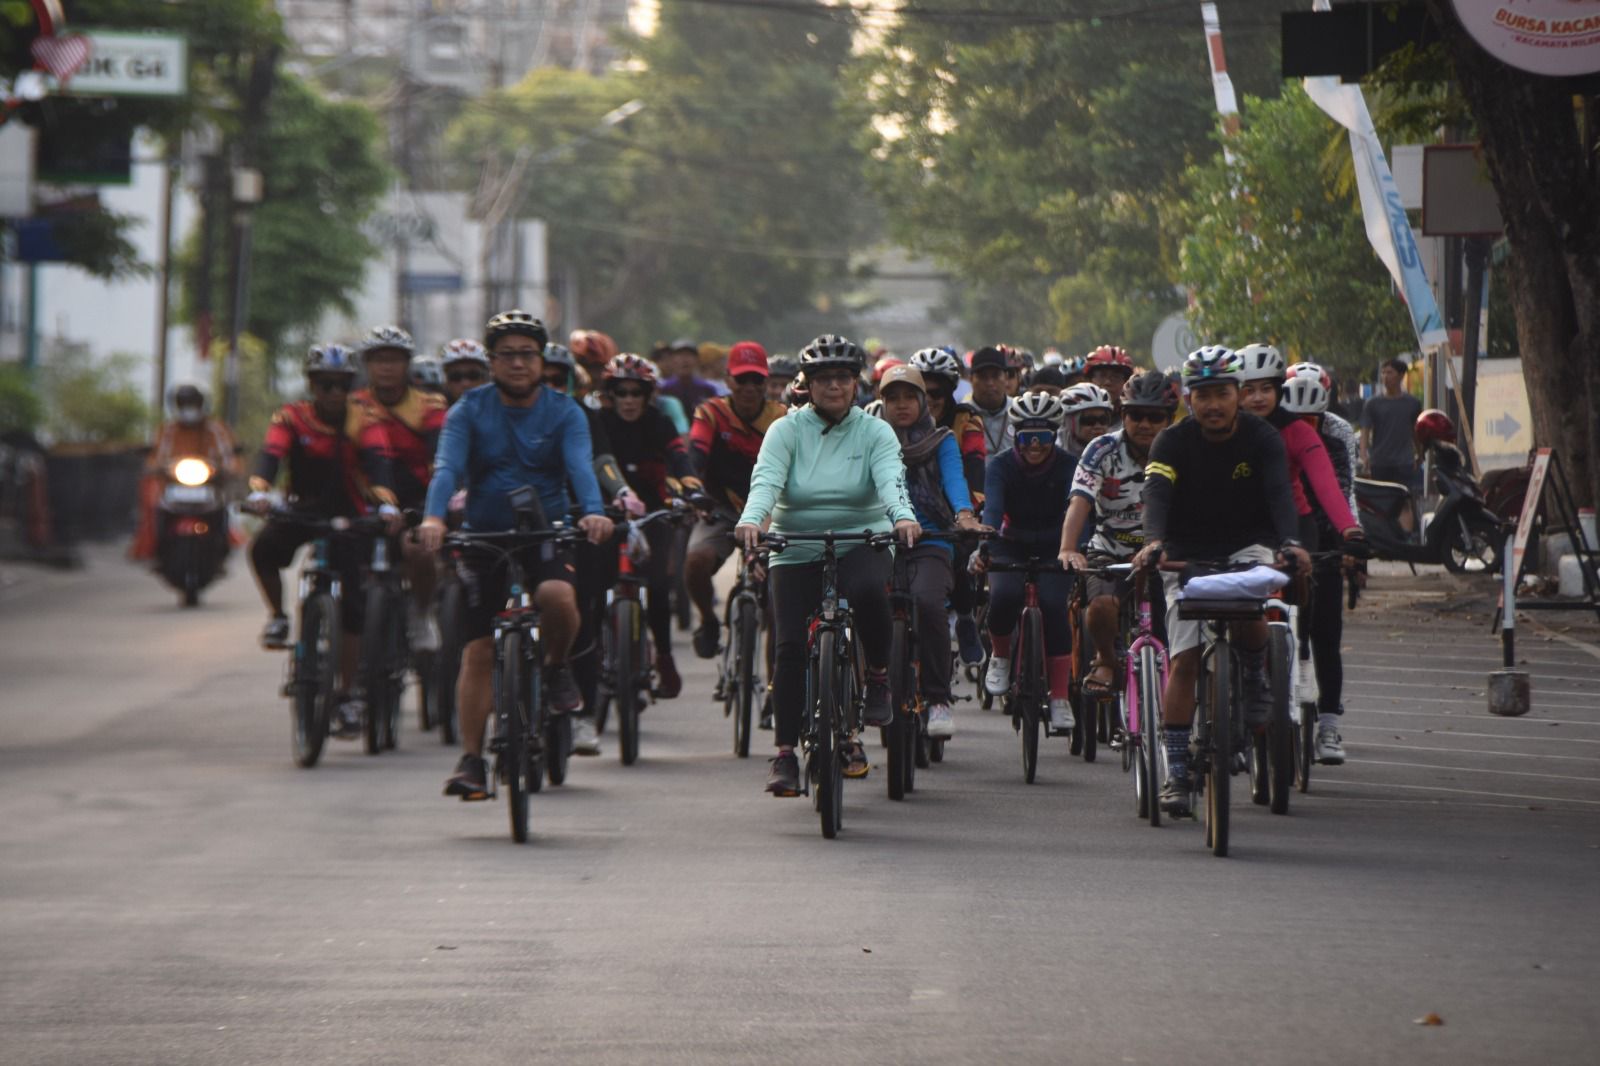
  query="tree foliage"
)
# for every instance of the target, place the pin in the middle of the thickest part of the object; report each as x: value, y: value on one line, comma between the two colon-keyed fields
x: 1274, y: 251
x: 1041, y: 148
x: 729, y: 205
x: 323, y: 177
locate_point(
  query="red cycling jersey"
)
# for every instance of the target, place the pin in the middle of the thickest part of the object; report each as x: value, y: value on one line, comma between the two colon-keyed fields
x: 724, y: 447
x: 406, y: 436
x: 326, y: 472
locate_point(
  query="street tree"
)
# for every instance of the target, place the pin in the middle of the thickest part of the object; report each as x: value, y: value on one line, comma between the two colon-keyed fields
x: 1275, y: 251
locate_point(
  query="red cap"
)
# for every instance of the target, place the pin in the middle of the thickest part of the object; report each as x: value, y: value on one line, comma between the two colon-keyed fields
x: 747, y: 357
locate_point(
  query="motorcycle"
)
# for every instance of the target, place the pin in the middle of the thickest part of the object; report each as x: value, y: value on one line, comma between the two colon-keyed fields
x: 191, y: 528
x: 1462, y: 533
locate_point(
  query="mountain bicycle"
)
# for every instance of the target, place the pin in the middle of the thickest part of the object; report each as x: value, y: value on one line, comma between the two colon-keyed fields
x: 739, y: 677
x: 1028, y: 700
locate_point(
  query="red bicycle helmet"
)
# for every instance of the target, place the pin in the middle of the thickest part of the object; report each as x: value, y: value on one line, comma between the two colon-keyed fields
x: 1432, y: 427
x: 1108, y: 355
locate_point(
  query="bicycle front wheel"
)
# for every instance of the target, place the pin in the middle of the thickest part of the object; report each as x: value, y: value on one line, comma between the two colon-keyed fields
x: 1219, y: 763
x: 315, y: 675
x: 375, y: 669
x: 1153, y: 743
x: 515, y: 763
x: 902, y: 697
x: 626, y: 620
x: 746, y: 625
x: 827, y: 760
x: 1033, y: 689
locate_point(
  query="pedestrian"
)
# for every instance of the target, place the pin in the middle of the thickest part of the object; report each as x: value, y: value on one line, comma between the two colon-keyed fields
x: 1386, y: 422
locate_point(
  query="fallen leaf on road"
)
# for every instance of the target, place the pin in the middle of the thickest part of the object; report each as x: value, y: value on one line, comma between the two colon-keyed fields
x: 1429, y: 1019
x: 445, y: 947
x: 866, y: 951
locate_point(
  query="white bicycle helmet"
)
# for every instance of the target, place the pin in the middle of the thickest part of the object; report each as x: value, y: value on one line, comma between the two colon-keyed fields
x: 1035, y: 407
x: 1085, y: 397
x: 1306, y: 391
x: 938, y: 362
x: 382, y: 337
x: 427, y: 372
x: 874, y: 409
x: 1262, y: 362
x: 463, y: 350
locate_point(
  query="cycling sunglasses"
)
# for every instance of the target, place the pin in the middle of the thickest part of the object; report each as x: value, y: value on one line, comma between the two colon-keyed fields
x: 331, y: 384
x: 1033, y: 438
x: 1094, y: 420
x: 630, y: 394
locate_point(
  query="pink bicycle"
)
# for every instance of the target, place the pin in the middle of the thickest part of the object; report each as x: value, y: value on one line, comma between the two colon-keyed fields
x: 1143, y: 750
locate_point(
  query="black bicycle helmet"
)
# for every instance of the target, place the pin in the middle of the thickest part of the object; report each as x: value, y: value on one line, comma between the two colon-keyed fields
x: 515, y: 323
x: 831, y: 350
x: 1151, y: 389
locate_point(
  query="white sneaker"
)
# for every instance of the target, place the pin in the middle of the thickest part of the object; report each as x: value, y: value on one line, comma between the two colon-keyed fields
x: 1061, y: 719
x: 997, y: 681
x: 421, y: 630
x: 940, y: 724
x: 585, y: 741
x: 1330, y: 746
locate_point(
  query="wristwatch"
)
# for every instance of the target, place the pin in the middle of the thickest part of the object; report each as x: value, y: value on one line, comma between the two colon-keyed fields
x: 1291, y: 543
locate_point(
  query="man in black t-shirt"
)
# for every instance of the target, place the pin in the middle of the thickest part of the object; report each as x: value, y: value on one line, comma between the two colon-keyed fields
x: 1217, y: 487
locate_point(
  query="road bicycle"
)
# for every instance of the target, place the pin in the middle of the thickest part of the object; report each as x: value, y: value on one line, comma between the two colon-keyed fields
x: 627, y: 671
x: 740, y: 683
x: 835, y: 677
x: 1144, y: 685
x: 313, y: 668
x: 526, y: 735
x: 1028, y: 699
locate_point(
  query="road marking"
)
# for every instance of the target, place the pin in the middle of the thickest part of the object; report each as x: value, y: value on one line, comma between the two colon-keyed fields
x: 1411, y: 656
x: 1480, y: 751
x: 1478, y: 672
x: 1475, y: 770
x: 1485, y: 716
x: 1571, y: 642
x: 1470, y: 792
x: 1456, y: 733
x: 1436, y: 687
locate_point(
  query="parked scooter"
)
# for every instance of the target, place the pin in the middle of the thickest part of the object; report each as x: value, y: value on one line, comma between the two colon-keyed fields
x: 1462, y: 532
x: 191, y: 528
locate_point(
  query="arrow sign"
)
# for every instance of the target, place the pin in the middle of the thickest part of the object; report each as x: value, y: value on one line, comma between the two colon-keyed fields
x: 1505, y: 426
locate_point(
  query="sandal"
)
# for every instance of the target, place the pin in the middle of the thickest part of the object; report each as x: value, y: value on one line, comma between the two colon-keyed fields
x: 1100, y: 689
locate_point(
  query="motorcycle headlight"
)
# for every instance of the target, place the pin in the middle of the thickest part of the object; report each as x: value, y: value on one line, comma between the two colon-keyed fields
x: 191, y: 472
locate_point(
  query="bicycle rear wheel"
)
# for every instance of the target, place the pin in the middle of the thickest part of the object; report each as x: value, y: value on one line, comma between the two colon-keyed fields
x: 1219, y: 763
x: 396, y: 657
x: 1281, y: 738
x: 316, y: 668
x: 745, y: 627
x: 1305, y: 748
x: 827, y: 767
x: 375, y: 669
x: 511, y: 709
x: 626, y: 618
x: 899, y: 752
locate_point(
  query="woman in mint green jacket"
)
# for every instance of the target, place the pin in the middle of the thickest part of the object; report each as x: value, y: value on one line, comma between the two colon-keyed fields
x: 827, y: 466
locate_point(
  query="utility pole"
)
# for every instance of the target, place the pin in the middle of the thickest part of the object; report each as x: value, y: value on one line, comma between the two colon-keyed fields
x: 169, y: 174
x: 403, y: 151
x: 246, y: 189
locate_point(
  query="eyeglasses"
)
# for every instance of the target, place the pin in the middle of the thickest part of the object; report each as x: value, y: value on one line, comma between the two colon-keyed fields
x: 1131, y: 414
x: 473, y: 376
x: 630, y: 394
x: 330, y: 384
x: 518, y: 355
x: 1034, y: 438
x: 1094, y: 420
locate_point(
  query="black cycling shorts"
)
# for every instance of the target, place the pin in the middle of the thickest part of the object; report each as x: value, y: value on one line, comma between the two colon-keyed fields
x: 275, y: 547
x: 488, y: 585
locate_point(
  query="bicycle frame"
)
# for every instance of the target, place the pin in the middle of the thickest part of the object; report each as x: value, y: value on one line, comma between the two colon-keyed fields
x: 1133, y: 718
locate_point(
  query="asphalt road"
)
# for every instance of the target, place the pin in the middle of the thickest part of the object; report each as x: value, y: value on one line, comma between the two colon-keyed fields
x: 173, y: 890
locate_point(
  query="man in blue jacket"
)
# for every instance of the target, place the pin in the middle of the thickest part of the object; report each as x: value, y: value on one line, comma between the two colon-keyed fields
x: 500, y: 437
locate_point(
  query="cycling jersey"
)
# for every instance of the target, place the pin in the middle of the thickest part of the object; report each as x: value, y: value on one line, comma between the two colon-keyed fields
x: 1111, y: 479
x: 328, y: 475
x: 1209, y: 499
x: 1308, y: 460
x: 723, y: 447
x: 491, y: 448
x: 1028, y: 503
x: 407, y: 434
x: 649, y: 451
x: 998, y: 433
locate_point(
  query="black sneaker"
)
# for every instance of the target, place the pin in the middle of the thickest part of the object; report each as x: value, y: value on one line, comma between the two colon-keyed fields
x: 766, y: 714
x: 470, y: 781
x: 563, y: 690
x: 855, y: 761
x: 879, y: 711
x: 669, y: 684
x: 785, y: 777
x: 275, y: 635
x: 1175, y: 793
x: 708, y: 640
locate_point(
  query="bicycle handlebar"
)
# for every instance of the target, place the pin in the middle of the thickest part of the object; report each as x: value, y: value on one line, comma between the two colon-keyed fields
x: 777, y: 542
x: 367, y: 524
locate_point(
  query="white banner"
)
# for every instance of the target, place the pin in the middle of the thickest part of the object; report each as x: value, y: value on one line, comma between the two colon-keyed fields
x: 1388, y: 229
x: 133, y: 64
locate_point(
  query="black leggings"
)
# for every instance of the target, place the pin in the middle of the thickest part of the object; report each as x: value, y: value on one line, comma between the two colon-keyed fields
x: 930, y: 579
x: 661, y: 576
x: 1327, y: 630
x: 796, y: 590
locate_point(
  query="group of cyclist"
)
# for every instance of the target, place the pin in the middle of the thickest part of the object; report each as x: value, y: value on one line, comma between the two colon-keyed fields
x: 1078, y: 462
